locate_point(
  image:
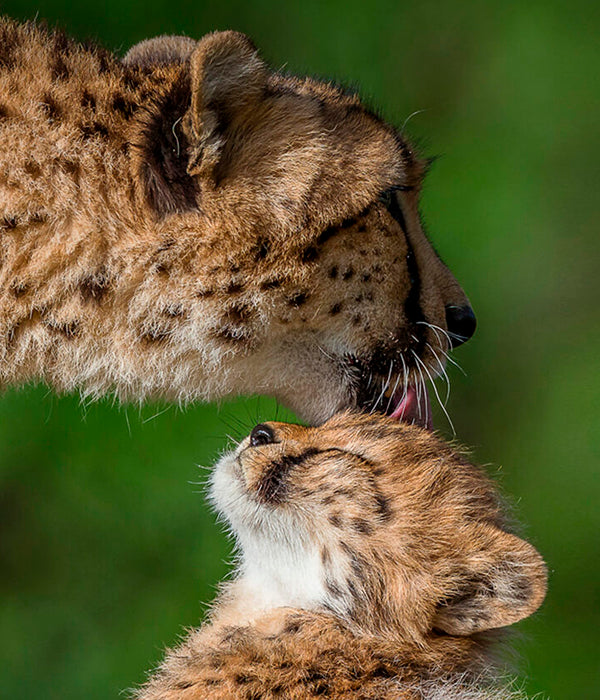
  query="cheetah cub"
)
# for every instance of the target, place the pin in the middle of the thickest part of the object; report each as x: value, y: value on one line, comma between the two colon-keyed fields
x: 373, y: 560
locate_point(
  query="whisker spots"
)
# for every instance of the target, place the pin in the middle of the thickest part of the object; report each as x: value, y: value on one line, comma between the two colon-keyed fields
x: 94, y: 287
x: 271, y: 284
x: 8, y: 223
x: 234, y: 288
x: 68, y: 330
x: 336, y: 520
x: 261, y: 250
x: 123, y: 106
x: 88, y: 101
x: 50, y: 108
x: 174, y: 311
x: 155, y: 335
x: 32, y: 169
x: 231, y: 335
x: 362, y: 526
x: 205, y: 293
x: 19, y: 289
x: 297, y: 300
x: 310, y: 254
x: 94, y: 130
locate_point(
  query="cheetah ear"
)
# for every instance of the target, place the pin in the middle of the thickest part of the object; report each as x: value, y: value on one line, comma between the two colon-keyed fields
x: 228, y: 78
x: 503, y: 581
x: 159, y: 51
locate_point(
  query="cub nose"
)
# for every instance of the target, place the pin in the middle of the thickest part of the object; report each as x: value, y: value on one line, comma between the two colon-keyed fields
x: 461, y: 324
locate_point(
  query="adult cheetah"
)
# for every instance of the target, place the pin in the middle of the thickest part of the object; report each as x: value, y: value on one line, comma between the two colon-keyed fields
x: 188, y: 224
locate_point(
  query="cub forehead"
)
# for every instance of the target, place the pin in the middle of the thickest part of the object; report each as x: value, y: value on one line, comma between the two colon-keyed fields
x: 289, y: 432
x: 409, y: 465
x: 408, y: 459
x: 351, y: 432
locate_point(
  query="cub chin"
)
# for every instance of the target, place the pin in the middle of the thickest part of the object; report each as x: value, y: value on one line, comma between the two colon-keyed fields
x: 374, y: 562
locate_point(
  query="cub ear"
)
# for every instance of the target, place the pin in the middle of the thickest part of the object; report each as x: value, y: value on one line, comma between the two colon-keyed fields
x: 159, y: 51
x: 503, y: 581
x: 228, y: 78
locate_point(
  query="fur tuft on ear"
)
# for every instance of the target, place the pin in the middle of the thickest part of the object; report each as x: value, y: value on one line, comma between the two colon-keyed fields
x: 159, y: 51
x: 227, y: 78
x: 502, y: 581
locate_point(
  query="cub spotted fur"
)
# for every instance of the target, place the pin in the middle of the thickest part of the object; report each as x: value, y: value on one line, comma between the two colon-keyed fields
x: 187, y: 223
x: 373, y: 560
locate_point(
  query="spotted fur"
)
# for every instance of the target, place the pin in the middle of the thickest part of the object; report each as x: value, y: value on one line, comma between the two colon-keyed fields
x: 375, y: 561
x: 188, y: 224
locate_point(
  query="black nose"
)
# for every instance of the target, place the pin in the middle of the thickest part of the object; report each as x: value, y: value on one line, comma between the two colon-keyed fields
x: 262, y: 435
x: 461, y: 324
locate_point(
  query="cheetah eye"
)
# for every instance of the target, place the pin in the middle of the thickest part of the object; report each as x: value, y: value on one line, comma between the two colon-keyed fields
x: 390, y: 200
x: 386, y: 198
x: 261, y: 435
x: 395, y: 210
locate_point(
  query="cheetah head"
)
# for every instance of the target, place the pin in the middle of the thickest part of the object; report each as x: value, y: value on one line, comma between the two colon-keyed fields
x: 377, y: 522
x: 295, y: 210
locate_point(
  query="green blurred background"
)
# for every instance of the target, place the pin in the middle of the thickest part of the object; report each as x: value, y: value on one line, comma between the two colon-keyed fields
x: 107, y: 546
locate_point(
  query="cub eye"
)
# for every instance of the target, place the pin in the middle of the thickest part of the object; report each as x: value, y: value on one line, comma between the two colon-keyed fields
x: 261, y: 435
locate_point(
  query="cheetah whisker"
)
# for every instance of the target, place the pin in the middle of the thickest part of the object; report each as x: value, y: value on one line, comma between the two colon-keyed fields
x: 391, y: 398
x: 435, y: 329
x: 156, y: 415
x: 443, y: 374
x: 386, y: 386
x: 327, y: 355
x: 410, y: 116
x: 437, y: 395
x: 178, y: 152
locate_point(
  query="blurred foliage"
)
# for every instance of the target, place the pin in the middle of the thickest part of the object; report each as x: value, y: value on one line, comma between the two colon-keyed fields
x: 107, y: 549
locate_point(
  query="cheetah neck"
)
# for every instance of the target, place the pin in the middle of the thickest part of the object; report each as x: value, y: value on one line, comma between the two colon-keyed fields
x: 97, y: 292
x: 283, y: 579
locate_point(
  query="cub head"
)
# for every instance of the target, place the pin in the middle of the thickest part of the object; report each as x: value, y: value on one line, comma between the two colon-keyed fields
x: 378, y: 522
x: 295, y: 210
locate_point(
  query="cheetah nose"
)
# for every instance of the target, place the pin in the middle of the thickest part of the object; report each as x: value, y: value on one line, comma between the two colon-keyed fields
x: 461, y: 324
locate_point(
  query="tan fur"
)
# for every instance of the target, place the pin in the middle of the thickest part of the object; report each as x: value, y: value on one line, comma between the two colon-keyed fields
x: 189, y: 224
x: 374, y: 561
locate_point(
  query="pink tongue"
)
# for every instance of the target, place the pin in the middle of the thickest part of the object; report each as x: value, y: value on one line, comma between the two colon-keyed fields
x: 412, y: 408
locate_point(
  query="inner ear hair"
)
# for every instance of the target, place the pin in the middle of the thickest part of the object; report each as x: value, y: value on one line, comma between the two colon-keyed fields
x: 501, y: 582
x: 160, y: 51
x: 228, y: 78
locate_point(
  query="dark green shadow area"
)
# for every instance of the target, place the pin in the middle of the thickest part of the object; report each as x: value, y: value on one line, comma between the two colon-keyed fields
x: 107, y: 542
